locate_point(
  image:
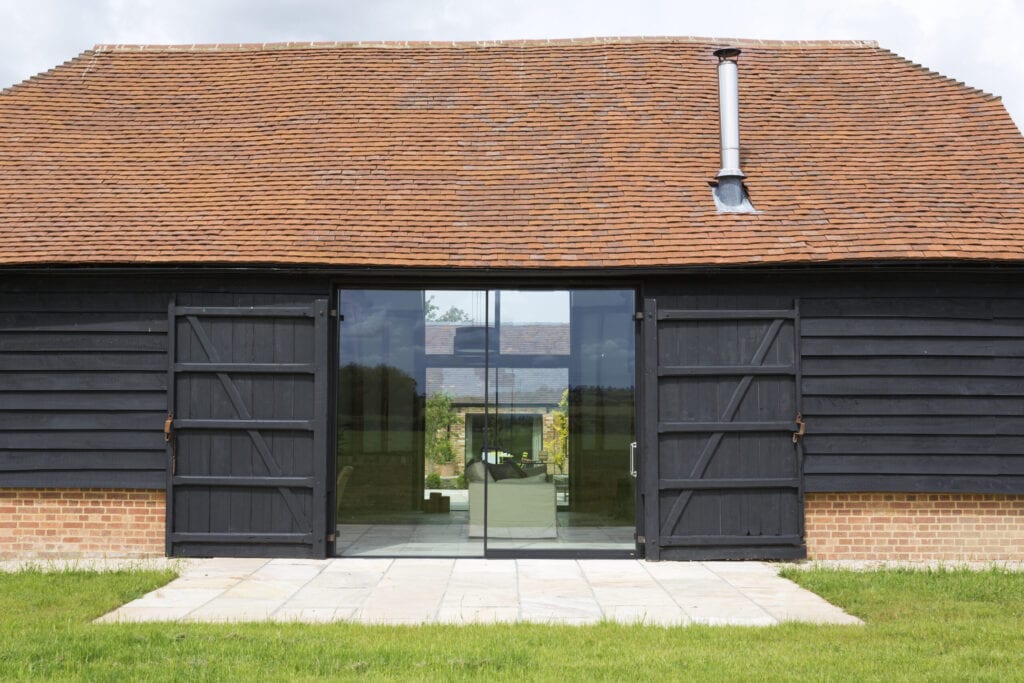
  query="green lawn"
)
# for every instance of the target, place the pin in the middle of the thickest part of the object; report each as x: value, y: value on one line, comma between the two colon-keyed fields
x: 941, y: 625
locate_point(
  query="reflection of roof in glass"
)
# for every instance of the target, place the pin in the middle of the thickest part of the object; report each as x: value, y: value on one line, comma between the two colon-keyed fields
x: 519, y: 386
x: 516, y: 339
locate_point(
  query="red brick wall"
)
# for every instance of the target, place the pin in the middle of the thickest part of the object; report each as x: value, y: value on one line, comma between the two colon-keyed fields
x: 912, y: 527
x: 51, y: 523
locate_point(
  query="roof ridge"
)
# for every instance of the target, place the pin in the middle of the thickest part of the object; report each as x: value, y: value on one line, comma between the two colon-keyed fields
x: 397, y: 44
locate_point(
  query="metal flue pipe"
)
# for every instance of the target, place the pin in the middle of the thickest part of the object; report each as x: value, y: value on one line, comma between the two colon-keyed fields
x: 729, y: 193
x: 729, y: 111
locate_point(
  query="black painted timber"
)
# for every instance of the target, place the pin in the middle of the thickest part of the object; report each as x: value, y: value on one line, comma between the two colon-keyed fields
x: 908, y: 381
x: 242, y: 484
x: 912, y: 383
x: 84, y: 371
x: 728, y: 484
x: 82, y: 384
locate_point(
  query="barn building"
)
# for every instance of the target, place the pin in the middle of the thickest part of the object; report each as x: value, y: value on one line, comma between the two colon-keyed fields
x: 657, y: 297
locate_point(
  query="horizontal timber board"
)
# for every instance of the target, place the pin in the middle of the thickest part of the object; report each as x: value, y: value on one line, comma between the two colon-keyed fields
x: 899, y: 307
x: 27, y: 461
x: 86, y: 479
x: 257, y: 482
x: 916, y: 444
x: 724, y: 370
x: 252, y: 368
x: 706, y: 540
x: 765, y: 426
x: 919, y: 366
x: 57, y: 341
x: 912, y: 483
x: 85, y: 302
x: 978, y: 425
x: 75, y: 321
x: 984, y: 347
x: 241, y: 311
x: 128, y: 402
x: 196, y: 537
x: 708, y: 483
x: 913, y: 405
x: 298, y: 425
x: 84, y: 381
x: 910, y: 327
x: 90, y: 361
x: 952, y: 465
x: 718, y: 314
x: 61, y: 421
x: 912, y: 386
x: 82, y: 440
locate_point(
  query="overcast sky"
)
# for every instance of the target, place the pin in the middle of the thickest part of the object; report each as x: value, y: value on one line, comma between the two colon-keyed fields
x: 976, y: 41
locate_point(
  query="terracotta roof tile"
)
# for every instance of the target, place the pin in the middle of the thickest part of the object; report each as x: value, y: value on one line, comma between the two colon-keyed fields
x: 524, y: 154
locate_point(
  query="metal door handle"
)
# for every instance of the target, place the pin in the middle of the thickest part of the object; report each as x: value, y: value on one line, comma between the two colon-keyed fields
x: 632, y: 459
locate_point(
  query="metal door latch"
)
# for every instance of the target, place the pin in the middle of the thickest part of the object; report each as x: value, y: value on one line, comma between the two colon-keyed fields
x: 801, y: 428
x: 167, y: 427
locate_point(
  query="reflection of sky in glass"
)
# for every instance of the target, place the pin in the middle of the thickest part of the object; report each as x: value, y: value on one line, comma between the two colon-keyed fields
x: 470, y: 302
x: 516, y: 306
x: 534, y: 307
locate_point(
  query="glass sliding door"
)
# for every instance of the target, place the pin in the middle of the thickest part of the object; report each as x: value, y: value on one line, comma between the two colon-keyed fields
x: 485, y: 421
x: 400, y: 417
x: 564, y: 368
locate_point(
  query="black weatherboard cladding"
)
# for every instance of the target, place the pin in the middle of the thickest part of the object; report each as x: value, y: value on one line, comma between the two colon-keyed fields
x: 911, y: 382
x: 83, y: 374
x: 83, y: 380
x: 914, y: 393
x: 908, y: 381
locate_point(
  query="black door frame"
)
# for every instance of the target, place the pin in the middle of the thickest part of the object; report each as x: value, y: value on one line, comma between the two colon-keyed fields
x: 526, y: 282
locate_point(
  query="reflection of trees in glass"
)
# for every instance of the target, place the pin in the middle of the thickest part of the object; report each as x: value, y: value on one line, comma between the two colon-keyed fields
x: 452, y: 315
x: 380, y: 435
x: 439, y: 421
x: 558, y: 446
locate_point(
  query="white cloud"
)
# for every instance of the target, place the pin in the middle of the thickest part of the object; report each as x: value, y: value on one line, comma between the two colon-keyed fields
x: 973, y: 41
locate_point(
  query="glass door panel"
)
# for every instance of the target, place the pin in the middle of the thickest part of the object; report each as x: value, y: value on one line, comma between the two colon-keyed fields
x: 477, y: 422
x: 410, y: 371
x: 562, y: 400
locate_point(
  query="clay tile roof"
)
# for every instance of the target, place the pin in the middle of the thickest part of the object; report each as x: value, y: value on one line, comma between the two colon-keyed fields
x: 544, y: 154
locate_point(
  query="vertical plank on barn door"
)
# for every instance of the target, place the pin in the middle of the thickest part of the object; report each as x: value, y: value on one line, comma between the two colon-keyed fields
x: 648, y: 434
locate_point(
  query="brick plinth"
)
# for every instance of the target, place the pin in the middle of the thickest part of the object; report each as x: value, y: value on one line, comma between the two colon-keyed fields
x: 52, y: 523
x: 914, y: 527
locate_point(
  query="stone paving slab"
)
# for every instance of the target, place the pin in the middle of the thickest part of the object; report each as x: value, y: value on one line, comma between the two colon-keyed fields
x: 464, y: 591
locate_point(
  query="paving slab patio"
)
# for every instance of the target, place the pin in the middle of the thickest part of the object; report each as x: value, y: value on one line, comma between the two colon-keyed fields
x: 463, y: 591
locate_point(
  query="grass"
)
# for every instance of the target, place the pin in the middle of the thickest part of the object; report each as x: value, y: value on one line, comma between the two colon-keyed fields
x: 922, y: 625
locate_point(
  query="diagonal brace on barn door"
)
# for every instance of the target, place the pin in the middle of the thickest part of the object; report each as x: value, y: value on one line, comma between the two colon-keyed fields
x: 244, y: 413
x: 738, y: 394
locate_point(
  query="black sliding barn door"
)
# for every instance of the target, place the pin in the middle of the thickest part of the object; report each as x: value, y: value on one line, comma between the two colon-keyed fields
x: 247, y: 434
x: 722, y: 462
